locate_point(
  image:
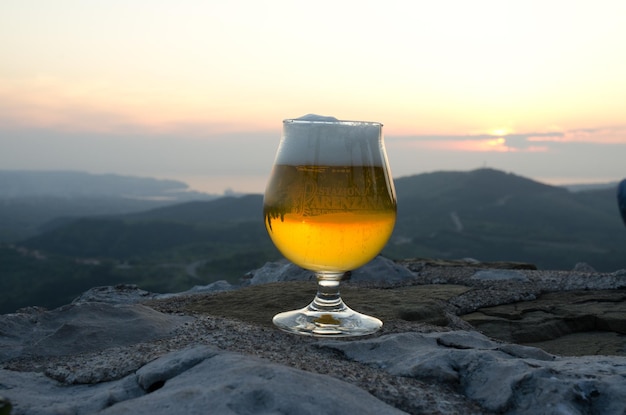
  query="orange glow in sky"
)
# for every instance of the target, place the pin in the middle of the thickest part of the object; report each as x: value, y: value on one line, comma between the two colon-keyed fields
x: 504, y: 79
x: 497, y: 144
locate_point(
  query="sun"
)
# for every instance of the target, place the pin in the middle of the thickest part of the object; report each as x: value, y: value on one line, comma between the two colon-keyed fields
x: 499, y: 132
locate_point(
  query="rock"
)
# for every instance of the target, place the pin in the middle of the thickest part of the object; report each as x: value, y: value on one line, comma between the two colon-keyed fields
x: 81, y: 327
x: 257, y: 304
x: 120, y: 350
x: 380, y: 269
x: 196, y: 380
x: 154, y: 375
x: 231, y: 383
x: 536, y: 281
x: 279, y: 271
x: 118, y: 294
x: 554, y: 315
x: 214, y: 287
x: 583, y: 267
x: 217, y: 286
x: 131, y: 294
x: 513, y: 380
x: 421, y: 263
x: 36, y: 394
x: 499, y: 275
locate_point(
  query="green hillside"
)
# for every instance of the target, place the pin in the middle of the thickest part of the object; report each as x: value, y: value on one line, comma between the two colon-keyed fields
x: 229, y: 222
x: 29, y: 278
x: 490, y: 215
x: 483, y: 214
x: 26, y: 216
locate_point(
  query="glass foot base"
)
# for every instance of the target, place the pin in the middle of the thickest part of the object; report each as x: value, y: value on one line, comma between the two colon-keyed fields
x: 323, y: 323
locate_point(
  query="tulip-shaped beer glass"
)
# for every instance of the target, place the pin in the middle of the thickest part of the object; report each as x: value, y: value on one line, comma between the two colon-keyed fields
x: 329, y: 207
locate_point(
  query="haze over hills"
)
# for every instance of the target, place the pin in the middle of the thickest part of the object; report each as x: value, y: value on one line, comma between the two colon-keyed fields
x: 22, y: 183
x: 483, y: 214
x: 29, y: 199
x: 575, y: 187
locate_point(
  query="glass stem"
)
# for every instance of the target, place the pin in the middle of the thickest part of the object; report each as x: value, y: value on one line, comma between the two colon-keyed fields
x: 328, y: 298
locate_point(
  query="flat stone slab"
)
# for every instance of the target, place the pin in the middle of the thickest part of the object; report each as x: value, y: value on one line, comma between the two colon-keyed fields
x: 82, y: 327
x: 259, y: 303
x: 501, y: 377
x: 551, y: 316
x: 196, y: 380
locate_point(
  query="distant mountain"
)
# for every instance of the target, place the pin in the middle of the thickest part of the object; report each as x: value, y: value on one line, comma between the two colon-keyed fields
x: 224, y: 209
x: 483, y: 214
x: 491, y: 215
x: 228, y: 220
x: 25, y: 217
x: 476, y: 187
x: 29, y: 199
x: 23, y: 183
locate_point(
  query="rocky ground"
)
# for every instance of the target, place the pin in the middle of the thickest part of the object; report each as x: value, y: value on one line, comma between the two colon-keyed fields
x: 458, y: 338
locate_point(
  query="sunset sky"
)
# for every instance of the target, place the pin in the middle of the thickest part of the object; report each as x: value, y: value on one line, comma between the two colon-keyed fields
x: 197, y: 89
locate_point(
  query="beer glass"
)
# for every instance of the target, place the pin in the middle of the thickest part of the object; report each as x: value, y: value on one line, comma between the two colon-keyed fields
x: 329, y: 207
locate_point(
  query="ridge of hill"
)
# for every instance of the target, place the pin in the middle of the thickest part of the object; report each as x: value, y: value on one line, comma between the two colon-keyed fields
x: 60, y: 183
x: 227, y: 208
x: 213, y: 224
x: 491, y: 215
x: 477, y: 186
x: 30, y: 200
x: 485, y: 214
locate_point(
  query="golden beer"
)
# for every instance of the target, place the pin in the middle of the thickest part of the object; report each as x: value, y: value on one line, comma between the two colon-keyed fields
x: 329, y: 218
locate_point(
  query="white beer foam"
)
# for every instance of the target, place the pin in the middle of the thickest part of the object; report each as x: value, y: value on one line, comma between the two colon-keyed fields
x: 315, y: 117
x: 316, y: 140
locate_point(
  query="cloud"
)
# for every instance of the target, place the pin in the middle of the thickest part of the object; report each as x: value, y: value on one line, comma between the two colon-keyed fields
x: 601, y: 135
x: 530, y: 142
x: 477, y: 142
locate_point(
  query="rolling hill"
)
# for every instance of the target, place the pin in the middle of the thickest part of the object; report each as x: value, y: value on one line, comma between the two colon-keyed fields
x: 485, y: 214
x: 228, y: 222
x: 491, y: 215
x: 30, y: 200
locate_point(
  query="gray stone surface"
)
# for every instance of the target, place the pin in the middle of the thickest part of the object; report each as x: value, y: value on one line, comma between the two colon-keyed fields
x: 553, y: 315
x: 123, y: 350
x: 499, y: 275
x: 380, y: 269
x: 228, y: 383
x: 81, y: 327
x: 130, y: 293
x: 32, y: 393
x: 502, y: 378
x: 214, y: 287
x: 279, y: 271
x: 118, y: 294
x: 196, y: 380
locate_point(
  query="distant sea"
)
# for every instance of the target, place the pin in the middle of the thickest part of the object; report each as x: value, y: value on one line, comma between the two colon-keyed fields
x: 228, y: 184
x: 224, y: 184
